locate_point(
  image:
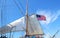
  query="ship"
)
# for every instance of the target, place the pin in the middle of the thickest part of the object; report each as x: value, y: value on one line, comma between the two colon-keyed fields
x: 32, y: 26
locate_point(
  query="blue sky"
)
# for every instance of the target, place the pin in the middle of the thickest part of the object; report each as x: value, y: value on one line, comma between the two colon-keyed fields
x: 49, y: 8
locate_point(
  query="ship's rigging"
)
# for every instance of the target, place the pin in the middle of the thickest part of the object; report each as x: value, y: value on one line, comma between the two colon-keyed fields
x: 30, y: 22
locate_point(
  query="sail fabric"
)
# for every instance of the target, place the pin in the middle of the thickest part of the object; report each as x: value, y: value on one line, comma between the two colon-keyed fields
x: 17, y: 25
x: 34, y: 27
x: 20, y: 25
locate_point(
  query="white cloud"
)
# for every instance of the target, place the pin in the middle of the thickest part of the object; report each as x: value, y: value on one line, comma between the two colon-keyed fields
x: 51, y: 16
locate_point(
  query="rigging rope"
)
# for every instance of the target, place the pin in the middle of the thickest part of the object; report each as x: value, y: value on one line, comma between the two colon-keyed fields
x: 1, y: 16
x: 19, y: 7
x: 3, y: 12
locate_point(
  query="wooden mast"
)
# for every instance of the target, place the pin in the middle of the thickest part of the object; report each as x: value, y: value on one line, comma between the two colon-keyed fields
x: 26, y: 17
x: 27, y: 32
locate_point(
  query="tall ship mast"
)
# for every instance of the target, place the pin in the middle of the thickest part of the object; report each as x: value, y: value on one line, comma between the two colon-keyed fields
x: 30, y: 22
x: 27, y: 18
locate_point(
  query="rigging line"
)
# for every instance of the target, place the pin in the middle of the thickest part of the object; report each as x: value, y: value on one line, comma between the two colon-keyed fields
x: 19, y: 7
x: 55, y: 34
x: 5, y: 12
x: 1, y: 19
x: 2, y: 6
x: 2, y: 12
x: 23, y: 8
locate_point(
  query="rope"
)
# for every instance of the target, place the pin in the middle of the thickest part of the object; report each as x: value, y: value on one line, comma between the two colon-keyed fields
x: 19, y: 7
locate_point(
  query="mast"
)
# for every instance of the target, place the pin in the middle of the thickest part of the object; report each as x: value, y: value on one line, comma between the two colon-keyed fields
x: 26, y: 17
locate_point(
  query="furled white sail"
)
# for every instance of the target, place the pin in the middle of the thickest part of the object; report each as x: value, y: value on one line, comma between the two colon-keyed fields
x: 34, y: 27
x: 17, y: 25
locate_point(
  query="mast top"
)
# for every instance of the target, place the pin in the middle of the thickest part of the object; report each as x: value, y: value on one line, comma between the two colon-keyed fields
x: 26, y: 7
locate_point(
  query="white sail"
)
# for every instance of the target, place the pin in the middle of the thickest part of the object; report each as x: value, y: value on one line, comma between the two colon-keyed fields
x: 16, y: 25
x: 19, y: 25
x: 34, y: 27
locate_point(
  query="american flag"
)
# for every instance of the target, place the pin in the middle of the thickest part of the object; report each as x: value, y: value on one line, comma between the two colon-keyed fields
x: 41, y: 17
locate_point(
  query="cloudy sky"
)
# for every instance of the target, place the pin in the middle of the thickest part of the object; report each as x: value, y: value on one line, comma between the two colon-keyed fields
x: 48, y: 8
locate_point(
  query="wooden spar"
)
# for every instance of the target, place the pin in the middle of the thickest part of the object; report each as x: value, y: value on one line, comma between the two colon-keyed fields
x: 27, y: 18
